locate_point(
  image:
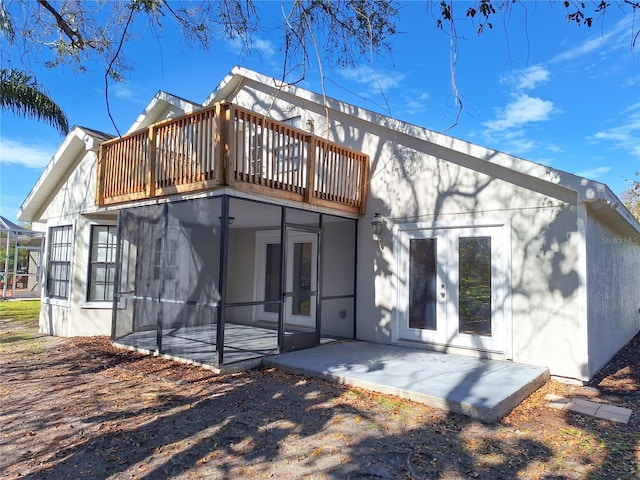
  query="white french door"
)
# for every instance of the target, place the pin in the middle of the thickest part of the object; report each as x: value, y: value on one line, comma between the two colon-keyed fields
x: 454, y: 287
x: 300, y: 277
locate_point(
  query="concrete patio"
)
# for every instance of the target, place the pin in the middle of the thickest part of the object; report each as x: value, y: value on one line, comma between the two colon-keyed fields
x: 483, y: 389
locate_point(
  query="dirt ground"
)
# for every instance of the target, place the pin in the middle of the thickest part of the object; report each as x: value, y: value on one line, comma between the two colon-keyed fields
x: 80, y: 408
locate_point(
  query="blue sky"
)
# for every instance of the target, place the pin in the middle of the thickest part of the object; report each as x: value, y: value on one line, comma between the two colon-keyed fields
x: 534, y: 86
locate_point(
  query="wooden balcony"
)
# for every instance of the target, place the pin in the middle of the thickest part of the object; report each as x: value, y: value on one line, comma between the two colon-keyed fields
x: 229, y: 146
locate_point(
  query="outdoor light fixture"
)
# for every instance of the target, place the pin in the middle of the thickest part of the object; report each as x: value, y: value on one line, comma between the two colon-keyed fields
x: 377, y: 225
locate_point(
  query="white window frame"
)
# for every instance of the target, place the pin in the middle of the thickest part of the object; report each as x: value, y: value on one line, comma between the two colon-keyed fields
x: 60, y: 301
x: 86, y: 303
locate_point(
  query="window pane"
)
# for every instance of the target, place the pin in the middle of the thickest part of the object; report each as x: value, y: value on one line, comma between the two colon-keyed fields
x: 98, y: 292
x: 272, y: 278
x: 98, y: 273
x: 102, y: 259
x: 475, y: 285
x: 422, y: 283
x: 302, y: 277
x: 59, y: 261
x: 111, y: 273
x: 101, y: 234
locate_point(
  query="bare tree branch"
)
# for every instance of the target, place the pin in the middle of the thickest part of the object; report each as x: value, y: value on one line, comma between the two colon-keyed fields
x: 74, y: 36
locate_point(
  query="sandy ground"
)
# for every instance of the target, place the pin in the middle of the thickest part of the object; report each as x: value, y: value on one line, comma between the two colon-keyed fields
x: 79, y: 408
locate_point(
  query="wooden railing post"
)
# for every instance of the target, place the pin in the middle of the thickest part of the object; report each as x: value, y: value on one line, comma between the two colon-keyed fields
x: 230, y: 142
x: 220, y: 142
x: 151, y: 162
x: 309, y: 192
x: 364, y: 184
x: 100, y: 178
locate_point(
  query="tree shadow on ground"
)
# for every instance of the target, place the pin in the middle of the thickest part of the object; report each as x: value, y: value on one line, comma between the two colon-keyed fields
x: 248, y: 425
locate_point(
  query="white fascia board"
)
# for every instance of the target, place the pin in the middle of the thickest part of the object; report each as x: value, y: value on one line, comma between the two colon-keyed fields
x: 611, y: 201
x: 228, y: 85
x: 157, y: 105
x: 75, y: 143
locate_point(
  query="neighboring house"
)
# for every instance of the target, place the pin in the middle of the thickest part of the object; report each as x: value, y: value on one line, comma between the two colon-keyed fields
x: 245, y: 229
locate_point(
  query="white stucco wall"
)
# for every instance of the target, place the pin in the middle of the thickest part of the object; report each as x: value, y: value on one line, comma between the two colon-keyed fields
x: 73, y: 195
x: 613, y: 279
x: 417, y: 177
x: 546, y: 328
x: 76, y: 316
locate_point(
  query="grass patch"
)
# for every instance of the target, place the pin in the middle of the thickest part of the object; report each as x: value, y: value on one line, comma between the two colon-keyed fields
x: 26, y: 312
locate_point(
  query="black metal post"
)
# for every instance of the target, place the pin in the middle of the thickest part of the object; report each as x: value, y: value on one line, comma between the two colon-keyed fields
x: 222, y: 277
x: 163, y: 268
x: 283, y: 278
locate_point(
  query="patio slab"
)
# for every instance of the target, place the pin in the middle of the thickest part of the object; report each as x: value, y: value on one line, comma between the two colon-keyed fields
x: 480, y: 388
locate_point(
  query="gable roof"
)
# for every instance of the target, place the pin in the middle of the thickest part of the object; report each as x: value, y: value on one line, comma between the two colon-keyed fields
x: 78, y: 140
x: 160, y: 105
x: 589, y: 192
x: 164, y: 105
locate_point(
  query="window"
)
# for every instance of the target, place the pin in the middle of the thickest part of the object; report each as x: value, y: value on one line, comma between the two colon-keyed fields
x: 59, y: 262
x: 102, y: 263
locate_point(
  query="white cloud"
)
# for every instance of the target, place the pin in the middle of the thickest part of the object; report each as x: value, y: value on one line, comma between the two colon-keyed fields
x: 264, y: 47
x: 416, y: 103
x: 522, y: 110
x: 520, y: 146
x: 625, y: 136
x: 373, y: 79
x: 553, y: 148
x: 122, y: 92
x: 593, y: 173
x: 590, y: 46
x: 25, y: 154
x: 528, y: 78
x: 617, y: 37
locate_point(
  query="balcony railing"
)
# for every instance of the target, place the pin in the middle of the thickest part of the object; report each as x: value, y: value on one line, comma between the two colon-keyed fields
x: 226, y: 145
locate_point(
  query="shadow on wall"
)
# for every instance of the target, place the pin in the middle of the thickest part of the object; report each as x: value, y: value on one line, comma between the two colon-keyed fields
x: 457, y: 189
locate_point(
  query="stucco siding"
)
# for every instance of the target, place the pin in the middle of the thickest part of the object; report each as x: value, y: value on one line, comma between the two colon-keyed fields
x: 76, y: 192
x: 75, y: 316
x: 338, y: 273
x: 414, y: 180
x: 241, y: 274
x: 410, y: 183
x: 613, y: 279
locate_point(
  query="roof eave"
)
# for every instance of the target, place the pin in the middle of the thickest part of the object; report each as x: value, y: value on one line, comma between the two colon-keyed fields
x: 160, y: 101
x: 77, y: 141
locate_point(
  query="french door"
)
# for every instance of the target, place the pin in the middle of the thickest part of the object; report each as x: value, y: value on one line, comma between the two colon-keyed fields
x: 301, y: 279
x: 454, y: 287
x: 301, y: 273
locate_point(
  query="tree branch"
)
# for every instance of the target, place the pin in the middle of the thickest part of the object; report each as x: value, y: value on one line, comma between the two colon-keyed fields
x: 74, y: 36
x: 108, y: 70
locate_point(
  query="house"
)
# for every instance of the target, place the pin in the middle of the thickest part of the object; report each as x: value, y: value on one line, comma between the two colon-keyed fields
x: 271, y: 218
x: 22, y: 249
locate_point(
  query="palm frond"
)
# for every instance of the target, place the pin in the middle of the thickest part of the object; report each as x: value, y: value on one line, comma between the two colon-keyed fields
x: 22, y: 95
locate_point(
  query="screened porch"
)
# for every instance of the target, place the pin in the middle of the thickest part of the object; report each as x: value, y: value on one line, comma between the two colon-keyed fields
x: 224, y: 281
